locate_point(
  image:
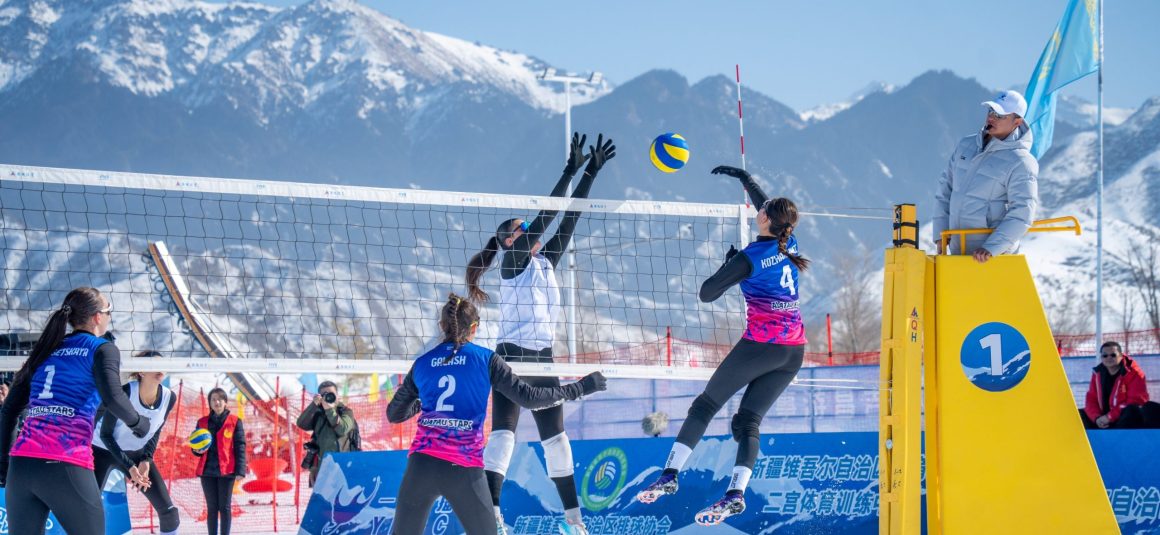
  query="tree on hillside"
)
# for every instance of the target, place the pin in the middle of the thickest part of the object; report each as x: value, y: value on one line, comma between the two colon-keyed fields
x: 858, y: 312
x: 1142, y: 257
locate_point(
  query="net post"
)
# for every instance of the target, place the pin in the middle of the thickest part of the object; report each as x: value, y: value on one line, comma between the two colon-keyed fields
x: 829, y: 341
x: 900, y: 384
x: 274, y: 460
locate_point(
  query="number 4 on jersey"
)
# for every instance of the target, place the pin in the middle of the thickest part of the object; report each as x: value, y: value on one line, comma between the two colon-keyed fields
x: 787, y: 280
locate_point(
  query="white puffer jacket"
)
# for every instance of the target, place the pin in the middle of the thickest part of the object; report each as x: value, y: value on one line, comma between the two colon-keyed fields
x: 993, y: 187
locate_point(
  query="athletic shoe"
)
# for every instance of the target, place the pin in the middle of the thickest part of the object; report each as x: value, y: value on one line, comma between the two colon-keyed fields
x: 732, y: 504
x: 664, y: 485
x: 567, y: 528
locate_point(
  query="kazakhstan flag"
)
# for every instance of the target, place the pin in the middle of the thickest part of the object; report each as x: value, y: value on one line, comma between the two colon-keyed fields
x: 1072, y: 53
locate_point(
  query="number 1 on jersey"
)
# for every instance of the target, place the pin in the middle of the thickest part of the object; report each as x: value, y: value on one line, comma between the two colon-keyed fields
x: 47, y: 392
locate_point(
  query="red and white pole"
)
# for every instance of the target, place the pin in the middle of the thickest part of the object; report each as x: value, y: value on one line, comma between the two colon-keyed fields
x: 741, y: 127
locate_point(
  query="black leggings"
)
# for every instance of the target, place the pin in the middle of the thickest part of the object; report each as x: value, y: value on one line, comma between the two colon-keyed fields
x: 427, y: 478
x: 1146, y: 416
x: 158, y: 494
x: 765, y: 370
x: 37, y: 486
x: 505, y: 415
x: 219, y: 499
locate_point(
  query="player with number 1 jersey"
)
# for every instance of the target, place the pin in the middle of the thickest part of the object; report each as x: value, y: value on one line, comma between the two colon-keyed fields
x: 764, y: 361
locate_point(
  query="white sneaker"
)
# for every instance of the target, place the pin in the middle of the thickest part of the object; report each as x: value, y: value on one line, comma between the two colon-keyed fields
x: 567, y: 528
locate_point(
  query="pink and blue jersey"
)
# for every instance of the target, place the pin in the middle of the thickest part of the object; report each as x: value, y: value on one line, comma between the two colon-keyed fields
x: 62, y: 403
x: 453, y: 386
x: 771, y: 295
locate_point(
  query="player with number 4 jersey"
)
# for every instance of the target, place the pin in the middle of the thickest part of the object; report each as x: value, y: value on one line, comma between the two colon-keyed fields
x: 449, y: 387
x: 764, y: 361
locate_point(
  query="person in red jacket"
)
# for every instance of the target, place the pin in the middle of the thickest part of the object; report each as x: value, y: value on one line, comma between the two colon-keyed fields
x: 222, y: 462
x: 1118, y: 395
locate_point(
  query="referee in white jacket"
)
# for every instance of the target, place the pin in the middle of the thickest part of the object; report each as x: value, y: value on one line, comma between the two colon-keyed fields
x: 990, y: 182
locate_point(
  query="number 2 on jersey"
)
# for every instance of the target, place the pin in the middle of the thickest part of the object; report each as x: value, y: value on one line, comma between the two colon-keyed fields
x: 448, y: 382
x: 787, y: 280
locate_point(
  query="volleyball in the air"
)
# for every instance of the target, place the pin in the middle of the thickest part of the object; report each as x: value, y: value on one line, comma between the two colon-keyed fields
x: 200, y: 439
x: 669, y: 152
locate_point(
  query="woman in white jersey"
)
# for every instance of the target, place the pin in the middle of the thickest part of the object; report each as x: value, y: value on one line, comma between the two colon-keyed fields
x: 529, y: 307
x: 115, y: 447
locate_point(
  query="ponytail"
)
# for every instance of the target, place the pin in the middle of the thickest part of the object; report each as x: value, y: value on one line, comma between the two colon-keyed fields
x: 783, y: 215
x: 477, y: 266
x: 800, y: 261
x: 458, y: 317
x: 79, y: 305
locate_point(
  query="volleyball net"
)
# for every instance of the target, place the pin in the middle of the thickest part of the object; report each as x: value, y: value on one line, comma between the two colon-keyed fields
x: 309, y: 277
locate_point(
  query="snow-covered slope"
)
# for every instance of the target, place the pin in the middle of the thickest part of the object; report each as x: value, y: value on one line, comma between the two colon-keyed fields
x: 251, y: 55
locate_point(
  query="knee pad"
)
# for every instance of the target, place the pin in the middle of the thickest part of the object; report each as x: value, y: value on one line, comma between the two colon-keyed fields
x: 170, y: 520
x: 497, y: 455
x: 558, y: 455
x: 745, y: 424
x: 704, y: 408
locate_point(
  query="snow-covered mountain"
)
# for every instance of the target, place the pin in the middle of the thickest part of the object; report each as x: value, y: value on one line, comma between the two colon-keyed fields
x: 331, y: 91
x: 825, y: 111
x: 258, y: 58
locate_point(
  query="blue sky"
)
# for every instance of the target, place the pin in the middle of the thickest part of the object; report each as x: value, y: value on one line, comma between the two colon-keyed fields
x: 803, y: 53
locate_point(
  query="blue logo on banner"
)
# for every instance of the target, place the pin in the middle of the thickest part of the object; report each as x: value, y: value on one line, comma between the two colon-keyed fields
x: 995, y: 357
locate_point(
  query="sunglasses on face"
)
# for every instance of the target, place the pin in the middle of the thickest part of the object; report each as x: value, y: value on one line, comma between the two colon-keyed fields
x: 996, y: 116
x: 1108, y: 355
x: 107, y: 310
x: 523, y: 226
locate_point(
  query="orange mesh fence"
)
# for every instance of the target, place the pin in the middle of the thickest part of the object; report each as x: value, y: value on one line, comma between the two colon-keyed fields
x: 274, y: 493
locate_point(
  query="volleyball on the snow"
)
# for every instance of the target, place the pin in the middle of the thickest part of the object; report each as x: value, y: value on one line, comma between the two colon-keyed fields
x: 200, y: 439
x: 669, y: 152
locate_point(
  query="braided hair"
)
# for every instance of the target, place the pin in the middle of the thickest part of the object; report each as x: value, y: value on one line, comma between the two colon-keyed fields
x: 783, y: 216
x: 458, y: 317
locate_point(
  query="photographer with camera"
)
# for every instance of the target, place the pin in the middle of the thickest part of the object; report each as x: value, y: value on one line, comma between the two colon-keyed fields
x: 332, y: 424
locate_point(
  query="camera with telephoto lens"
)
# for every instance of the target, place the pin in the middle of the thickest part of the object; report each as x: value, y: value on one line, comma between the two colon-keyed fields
x: 329, y: 397
x: 311, y: 455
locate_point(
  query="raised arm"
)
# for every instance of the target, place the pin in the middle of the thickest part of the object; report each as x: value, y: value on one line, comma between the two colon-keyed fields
x: 598, y: 156
x: 506, y: 382
x: 517, y: 257
x: 755, y: 193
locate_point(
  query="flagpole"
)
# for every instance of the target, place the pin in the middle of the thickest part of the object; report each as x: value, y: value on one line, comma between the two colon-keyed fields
x: 1100, y: 188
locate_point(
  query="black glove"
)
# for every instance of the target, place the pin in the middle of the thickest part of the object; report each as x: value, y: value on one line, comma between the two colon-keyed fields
x: 142, y: 426
x: 4, y: 474
x: 729, y: 255
x: 600, y: 154
x: 576, y: 156
x: 592, y: 383
x: 732, y: 171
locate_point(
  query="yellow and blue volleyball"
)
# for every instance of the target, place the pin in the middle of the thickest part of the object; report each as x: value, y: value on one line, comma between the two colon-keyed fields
x: 200, y: 439
x: 669, y: 152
